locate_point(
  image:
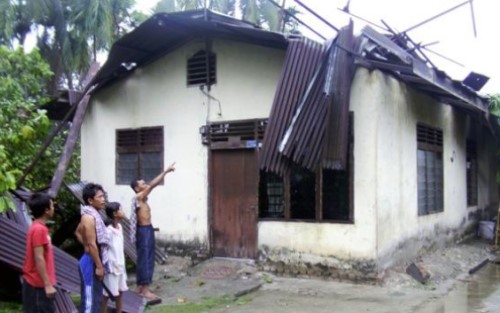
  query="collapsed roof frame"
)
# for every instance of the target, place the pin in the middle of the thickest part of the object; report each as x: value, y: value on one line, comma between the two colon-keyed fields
x: 297, y: 129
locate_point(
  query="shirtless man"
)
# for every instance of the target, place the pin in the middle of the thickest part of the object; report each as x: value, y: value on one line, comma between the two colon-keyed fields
x: 145, y: 239
x: 91, y: 232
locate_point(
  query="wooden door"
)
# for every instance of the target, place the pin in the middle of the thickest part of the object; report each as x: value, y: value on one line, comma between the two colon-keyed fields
x: 234, y: 191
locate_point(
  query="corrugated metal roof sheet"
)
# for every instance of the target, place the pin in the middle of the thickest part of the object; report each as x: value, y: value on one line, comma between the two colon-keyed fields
x: 21, y: 215
x: 64, y: 303
x: 302, y: 62
x: 12, y: 253
x: 337, y: 129
x: 308, y: 125
x: 393, y: 54
x: 318, y: 133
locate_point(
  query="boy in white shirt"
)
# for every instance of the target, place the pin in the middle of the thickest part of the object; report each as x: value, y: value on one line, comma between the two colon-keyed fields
x: 116, y: 278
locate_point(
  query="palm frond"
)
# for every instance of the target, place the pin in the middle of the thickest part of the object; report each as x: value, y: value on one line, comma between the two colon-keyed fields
x: 7, y: 22
x: 165, y: 6
x: 250, y: 10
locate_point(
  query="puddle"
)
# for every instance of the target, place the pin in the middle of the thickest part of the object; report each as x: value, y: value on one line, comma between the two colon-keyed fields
x: 479, y: 295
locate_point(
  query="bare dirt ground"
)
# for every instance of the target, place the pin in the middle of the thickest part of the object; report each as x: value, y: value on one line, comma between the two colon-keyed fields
x: 179, y: 282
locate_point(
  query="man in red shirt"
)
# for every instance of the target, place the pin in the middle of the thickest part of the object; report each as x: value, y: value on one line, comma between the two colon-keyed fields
x: 39, y: 276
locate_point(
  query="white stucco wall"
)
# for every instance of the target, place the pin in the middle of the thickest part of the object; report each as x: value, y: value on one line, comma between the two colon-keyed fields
x: 386, y: 226
x: 395, y: 110
x: 341, y: 241
x: 157, y: 95
x: 386, y: 112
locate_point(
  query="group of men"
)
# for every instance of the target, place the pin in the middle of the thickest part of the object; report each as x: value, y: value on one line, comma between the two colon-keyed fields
x: 39, y: 271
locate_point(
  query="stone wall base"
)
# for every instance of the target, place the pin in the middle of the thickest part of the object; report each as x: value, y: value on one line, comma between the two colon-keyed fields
x: 285, y: 262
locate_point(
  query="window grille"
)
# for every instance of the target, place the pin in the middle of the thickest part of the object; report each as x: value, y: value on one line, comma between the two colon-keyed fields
x: 471, y: 170
x: 316, y: 196
x: 429, y: 169
x: 139, y: 154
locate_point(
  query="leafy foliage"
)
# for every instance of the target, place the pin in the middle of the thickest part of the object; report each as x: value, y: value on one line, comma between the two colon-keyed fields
x: 22, y: 82
x: 24, y: 125
x: 260, y: 12
x: 69, y: 33
x: 495, y: 110
x: 495, y: 104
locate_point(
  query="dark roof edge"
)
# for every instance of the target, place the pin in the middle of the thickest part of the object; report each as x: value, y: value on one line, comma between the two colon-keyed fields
x: 165, y: 32
x: 411, y: 66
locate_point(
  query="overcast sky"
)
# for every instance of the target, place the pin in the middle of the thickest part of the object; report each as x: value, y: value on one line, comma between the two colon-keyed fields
x: 454, y: 31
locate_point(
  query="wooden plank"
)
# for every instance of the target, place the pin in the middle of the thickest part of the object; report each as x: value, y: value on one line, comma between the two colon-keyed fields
x: 73, y: 135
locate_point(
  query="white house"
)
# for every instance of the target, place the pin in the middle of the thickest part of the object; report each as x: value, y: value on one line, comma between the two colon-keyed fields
x: 336, y: 160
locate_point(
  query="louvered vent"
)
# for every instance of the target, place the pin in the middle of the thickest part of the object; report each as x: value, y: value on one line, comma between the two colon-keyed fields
x: 201, y: 69
x: 429, y: 138
x: 235, y: 134
x: 142, y: 137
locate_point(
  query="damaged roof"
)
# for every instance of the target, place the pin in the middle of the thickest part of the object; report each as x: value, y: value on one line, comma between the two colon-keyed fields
x: 310, y: 113
x: 400, y: 56
x: 165, y: 32
x: 395, y: 54
x: 308, y: 124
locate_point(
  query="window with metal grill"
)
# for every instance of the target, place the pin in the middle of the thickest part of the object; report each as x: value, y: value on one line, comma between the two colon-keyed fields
x: 201, y: 69
x: 139, y: 154
x: 429, y: 169
x: 321, y: 195
x: 471, y: 164
x: 271, y: 196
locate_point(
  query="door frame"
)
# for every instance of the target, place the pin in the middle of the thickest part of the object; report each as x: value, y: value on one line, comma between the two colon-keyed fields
x: 251, y: 140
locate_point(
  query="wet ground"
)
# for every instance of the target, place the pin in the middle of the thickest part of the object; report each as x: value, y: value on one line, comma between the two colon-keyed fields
x: 480, y: 293
x: 449, y: 290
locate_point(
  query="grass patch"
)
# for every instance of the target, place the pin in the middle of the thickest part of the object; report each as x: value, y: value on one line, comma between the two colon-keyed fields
x: 203, y: 306
x: 267, y: 279
x: 10, y: 307
x: 77, y: 300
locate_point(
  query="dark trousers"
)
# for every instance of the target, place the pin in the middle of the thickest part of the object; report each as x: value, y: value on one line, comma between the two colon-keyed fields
x: 91, y: 287
x: 36, y: 301
x: 145, y: 247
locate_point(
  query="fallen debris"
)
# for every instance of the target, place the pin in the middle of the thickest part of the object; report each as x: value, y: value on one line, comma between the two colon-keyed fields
x: 479, y: 266
x: 418, y: 272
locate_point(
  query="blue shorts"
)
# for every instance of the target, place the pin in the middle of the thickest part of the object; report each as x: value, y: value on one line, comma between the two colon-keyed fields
x: 145, y: 247
x: 90, y: 287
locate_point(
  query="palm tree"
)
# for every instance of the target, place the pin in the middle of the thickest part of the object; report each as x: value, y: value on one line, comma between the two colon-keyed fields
x: 250, y: 11
x: 224, y: 6
x: 260, y: 12
x: 69, y: 33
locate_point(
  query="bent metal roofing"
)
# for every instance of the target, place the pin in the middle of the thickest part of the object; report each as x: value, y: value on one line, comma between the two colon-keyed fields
x: 394, y: 53
x: 309, y: 115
